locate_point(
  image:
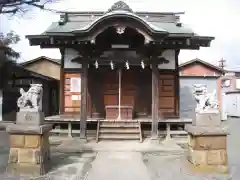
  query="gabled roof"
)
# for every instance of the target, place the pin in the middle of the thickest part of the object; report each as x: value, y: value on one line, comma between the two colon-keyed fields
x: 57, y: 61
x: 209, y: 65
x: 83, y: 22
x: 155, y: 25
x: 29, y: 73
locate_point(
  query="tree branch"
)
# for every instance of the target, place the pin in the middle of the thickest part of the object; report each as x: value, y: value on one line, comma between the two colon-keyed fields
x: 13, y: 6
x: 13, y: 11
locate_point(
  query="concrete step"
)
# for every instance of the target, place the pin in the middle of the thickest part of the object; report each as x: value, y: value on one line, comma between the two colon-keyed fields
x: 119, y: 130
x: 119, y: 136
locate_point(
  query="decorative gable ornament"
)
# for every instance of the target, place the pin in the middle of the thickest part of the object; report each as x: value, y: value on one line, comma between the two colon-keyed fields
x: 63, y: 19
x: 120, y: 6
x: 120, y: 29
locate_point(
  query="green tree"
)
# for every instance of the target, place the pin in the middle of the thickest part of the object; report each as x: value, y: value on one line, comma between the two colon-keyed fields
x: 7, y: 53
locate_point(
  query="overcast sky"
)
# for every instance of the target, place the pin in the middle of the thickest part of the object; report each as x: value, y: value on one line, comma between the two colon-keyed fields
x: 218, y: 18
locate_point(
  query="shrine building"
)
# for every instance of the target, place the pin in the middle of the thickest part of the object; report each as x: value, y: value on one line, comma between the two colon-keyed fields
x: 119, y: 66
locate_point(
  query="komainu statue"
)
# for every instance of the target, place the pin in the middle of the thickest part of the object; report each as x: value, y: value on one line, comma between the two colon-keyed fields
x: 205, y: 101
x: 31, y: 100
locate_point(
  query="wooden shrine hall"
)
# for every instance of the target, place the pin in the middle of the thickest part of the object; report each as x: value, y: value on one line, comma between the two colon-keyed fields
x: 119, y: 66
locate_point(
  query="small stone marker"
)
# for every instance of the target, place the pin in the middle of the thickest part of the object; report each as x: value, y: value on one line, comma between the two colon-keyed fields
x: 207, y: 138
x: 29, y: 137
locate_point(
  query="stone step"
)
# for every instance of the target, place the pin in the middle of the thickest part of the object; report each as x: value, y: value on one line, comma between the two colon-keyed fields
x: 119, y: 136
x: 119, y: 130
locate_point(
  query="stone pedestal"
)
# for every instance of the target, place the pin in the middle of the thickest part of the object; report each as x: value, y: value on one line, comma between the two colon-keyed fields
x: 211, y: 118
x: 30, y: 118
x: 207, y: 145
x: 29, y: 145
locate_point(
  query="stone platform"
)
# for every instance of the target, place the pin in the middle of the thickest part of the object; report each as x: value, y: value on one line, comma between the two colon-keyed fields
x: 207, y: 148
x: 29, y: 149
x: 76, y: 145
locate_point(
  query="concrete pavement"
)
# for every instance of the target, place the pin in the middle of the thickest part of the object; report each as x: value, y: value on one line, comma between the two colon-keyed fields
x: 113, y: 161
x: 118, y: 166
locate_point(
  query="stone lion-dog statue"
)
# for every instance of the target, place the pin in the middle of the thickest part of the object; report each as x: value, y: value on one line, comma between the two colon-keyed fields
x: 31, y: 100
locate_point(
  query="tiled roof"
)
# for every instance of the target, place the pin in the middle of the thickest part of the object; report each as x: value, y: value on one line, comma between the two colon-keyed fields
x: 202, y: 62
x: 69, y: 27
x: 40, y: 58
x: 157, y: 22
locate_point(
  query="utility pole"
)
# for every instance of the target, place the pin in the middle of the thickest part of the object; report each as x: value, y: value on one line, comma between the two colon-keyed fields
x: 222, y: 64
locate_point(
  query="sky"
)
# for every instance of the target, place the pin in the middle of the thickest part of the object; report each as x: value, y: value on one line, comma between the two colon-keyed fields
x: 218, y: 18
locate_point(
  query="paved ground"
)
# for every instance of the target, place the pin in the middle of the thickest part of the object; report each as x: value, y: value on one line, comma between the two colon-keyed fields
x: 119, y: 165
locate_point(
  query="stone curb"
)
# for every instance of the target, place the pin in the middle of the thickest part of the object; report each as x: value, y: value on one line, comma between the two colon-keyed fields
x: 3, y: 125
x: 86, y: 149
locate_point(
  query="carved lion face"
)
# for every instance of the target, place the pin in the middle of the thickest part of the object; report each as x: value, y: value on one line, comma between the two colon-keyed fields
x: 35, y: 88
x: 199, y: 89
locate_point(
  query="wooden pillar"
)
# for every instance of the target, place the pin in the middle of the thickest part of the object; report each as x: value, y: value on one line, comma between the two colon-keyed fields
x: 155, y: 99
x: 177, y: 84
x: 84, y: 94
x: 119, y: 92
x: 61, y: 84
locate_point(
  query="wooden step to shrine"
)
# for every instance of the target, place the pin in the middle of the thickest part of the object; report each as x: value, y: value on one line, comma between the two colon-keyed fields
x: 119, y: 125
x: 117, y: 130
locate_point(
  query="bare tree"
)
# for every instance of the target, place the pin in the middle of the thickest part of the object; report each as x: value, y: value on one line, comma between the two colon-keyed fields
x: 14, y: 6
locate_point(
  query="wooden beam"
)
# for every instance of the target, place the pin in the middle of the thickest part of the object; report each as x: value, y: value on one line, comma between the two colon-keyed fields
x: 166, y: 46
x: 84, y: 94
x: 155, y: 99
x: 62, y: 82
x: 171, y: 42
x: 119, y: 59
x: 25, y: 77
